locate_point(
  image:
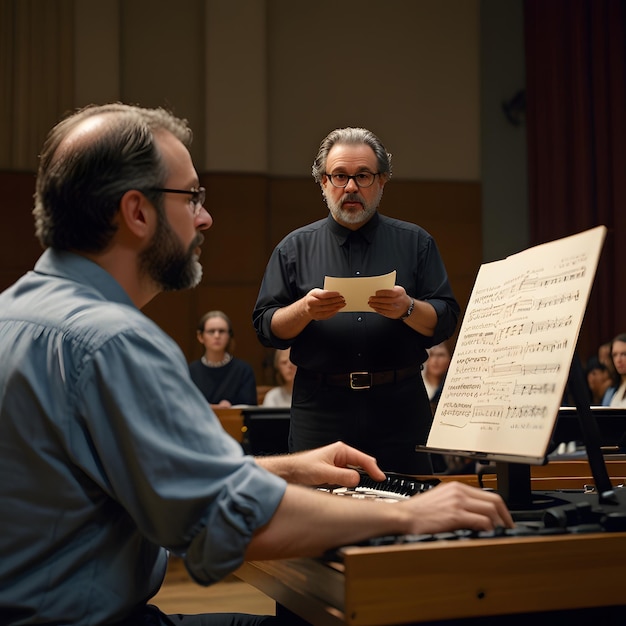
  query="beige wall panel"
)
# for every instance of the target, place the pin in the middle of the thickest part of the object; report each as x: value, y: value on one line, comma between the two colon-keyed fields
x: 162, y: 59
x: 409, y: 71
x: 236, y: 86
x: 97, y: 63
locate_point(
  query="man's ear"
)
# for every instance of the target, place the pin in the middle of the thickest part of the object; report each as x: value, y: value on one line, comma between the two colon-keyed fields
x: 137, y: 213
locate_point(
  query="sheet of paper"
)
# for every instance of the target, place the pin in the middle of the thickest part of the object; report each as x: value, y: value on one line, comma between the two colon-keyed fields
x: 512, y: 358
x: 357, y: 291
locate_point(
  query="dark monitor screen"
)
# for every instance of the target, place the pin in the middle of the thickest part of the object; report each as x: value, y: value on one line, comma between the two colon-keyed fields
x: 266, y: 430
x: 611, y: 424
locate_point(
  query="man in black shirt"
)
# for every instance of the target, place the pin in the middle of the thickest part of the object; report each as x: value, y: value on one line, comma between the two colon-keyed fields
x: 358, y: 377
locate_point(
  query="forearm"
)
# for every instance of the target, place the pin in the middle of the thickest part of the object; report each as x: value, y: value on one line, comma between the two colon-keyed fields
x: 308, y: 522
x: 423, y: 319
x: 282, y: 465
x: 290, y: 321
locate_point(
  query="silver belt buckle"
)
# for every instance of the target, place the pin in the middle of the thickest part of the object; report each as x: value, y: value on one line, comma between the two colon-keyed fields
x: 360, y: 380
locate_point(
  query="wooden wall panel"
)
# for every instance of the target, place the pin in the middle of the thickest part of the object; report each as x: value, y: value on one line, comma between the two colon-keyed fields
x: 251, y: 214
x: 19, y: 247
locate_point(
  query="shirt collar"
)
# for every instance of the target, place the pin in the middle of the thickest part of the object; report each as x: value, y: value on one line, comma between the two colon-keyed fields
x: 342, y: 233
x: 80, y: 269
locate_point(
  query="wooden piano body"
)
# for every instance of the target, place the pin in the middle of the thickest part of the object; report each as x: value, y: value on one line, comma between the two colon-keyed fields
x: 413, y: 583
x: 455, y: 579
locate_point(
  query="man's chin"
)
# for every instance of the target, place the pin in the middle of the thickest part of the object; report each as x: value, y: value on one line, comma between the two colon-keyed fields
x: 179, y: 281
x: 354, y: 216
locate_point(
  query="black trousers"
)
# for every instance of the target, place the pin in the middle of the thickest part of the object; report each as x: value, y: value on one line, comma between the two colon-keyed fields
x: 386, y: 421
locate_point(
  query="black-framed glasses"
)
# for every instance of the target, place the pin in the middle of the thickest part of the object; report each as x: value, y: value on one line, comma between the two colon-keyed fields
x: 198, y: 196
x: 362, y: 179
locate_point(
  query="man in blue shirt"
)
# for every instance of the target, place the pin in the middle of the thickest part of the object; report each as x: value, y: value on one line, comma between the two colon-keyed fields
x: 359, y: 373
x: 109, y: 454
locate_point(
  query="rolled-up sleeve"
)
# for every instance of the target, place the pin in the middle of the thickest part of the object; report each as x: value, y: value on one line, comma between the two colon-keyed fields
x: 276, y: 291
x: 219, y: 547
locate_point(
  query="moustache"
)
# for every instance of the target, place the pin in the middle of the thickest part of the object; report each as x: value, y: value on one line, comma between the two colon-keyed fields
x: 352, y: 197
x: 197, y: 241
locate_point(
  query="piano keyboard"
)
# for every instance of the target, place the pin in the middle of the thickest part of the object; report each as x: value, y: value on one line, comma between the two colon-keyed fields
x: 576, y: 517
x: 394, y: 488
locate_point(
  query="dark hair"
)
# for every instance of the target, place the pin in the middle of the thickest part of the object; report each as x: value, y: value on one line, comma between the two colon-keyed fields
x: 351, y: 136
x: 621, y: 337
x: 594, y: 363
x: 80, y: 181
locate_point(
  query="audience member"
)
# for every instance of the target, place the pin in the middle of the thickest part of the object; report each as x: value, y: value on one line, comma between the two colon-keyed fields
x: 435, y: 370
x: 109, y: 455
x: 598, y: 380
x: 604, y: 355
x: 223, y: 379
x: 280, y: 396
x: 434, y: 374
x: 616, y: 394
x: 359, y: 373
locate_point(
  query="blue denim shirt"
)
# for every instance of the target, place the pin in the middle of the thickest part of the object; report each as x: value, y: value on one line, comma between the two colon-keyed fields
x: 109, y: 454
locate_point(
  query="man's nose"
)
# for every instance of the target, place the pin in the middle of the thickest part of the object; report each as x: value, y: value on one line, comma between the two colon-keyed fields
x: 352, y: 185
x: 204, y: 220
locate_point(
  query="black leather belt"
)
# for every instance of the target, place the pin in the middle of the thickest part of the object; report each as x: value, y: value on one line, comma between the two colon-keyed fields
x: 364, y: 380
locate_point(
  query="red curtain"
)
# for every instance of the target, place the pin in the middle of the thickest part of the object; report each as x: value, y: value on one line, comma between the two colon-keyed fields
x: 576, y: 130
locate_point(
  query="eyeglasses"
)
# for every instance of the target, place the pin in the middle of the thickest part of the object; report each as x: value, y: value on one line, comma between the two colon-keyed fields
x: 198, y: 196
x: 216, y: 331
x: 362, y: 179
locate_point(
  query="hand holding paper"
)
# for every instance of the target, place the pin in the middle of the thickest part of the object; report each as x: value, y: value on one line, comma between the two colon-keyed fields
x: 358, y: 290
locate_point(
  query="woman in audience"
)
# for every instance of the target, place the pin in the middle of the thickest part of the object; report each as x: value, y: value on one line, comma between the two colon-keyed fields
x: 223, y: 379
x: 285, y: 372
x: 616, y: 396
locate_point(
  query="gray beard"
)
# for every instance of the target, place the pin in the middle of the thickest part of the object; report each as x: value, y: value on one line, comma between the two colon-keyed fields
x: 350, y: 217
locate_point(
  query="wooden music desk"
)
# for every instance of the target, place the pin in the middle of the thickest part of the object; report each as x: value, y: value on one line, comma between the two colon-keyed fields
x: 448, y: 579
x: 232, y: 421
x: 570, y: 474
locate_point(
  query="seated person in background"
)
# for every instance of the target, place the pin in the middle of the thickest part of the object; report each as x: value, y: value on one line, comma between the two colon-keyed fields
x: 110, y: 458
x: 285, y: 373
x: 616, y: 395
x: 435, y: 370
x: 223, y: 379
x: 598, y: 380
x: 434, y: 374
x: 604, y: 356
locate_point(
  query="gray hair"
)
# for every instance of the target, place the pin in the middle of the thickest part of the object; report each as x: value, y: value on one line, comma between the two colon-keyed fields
x: 81, y: 180
x: 351, y: 136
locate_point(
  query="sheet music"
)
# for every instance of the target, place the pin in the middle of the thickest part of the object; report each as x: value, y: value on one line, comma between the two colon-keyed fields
x: 357, y: 290
x: 511, y: 362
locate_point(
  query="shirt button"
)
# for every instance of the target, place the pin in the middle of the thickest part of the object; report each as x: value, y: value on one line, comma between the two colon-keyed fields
x: 357, y: 273
x: 359, y: 319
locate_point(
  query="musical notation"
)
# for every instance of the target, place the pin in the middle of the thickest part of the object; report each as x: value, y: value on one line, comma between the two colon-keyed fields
x: 513, y: 354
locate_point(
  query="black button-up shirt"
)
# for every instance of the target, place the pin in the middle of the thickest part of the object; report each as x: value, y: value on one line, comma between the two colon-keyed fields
x: 363, y: 341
